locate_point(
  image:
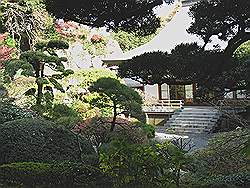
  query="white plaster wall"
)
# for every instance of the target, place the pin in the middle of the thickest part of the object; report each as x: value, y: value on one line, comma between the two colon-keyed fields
x: 151, y: 91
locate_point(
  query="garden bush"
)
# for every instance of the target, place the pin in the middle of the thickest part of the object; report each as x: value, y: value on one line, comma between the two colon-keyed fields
x: 37, y: 140
x: 236, y: 180
x: 62, y: 110
x: 225, y: 154
x: 222, y: 163
x: 241, y: 179
x: 97, y: 131
x: 148, y: 129
x: 143, y: 165
x: 67, y: 122
x: 65, y: 174
x: 9, y: 112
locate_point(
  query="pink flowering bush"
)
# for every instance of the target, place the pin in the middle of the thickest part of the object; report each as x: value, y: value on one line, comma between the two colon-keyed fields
x: 6, y: 48
x: 96, y: 38
x: 97, y: 131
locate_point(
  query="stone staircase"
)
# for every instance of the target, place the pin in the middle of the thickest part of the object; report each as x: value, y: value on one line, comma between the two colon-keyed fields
x: 193, y: 119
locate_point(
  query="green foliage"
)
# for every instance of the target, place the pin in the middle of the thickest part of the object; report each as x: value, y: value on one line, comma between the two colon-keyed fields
x: 85, y: 78
x: 97, y: 48
x: 38, y: 140
x: 65, y: 174
x: 62, y: 110
x: 241, y: 179
x: 130, y: 40
x: 189, y: 63
x: 67, y: 122
x: 228, y: 19
x: 148, y: 129
x: 32, y: 64
x: 10, y: 112
x: 10, y: 42
x: 224, y: 158
x: 142, y: 165
x: 51, y: 33
x: 225, y: 153
x: 97, y: 131
x: 78, y: 95
x: 16, y: 89
x: 243, y: 52
x: 124, y: 14
x: 149, y: 68
x: 235, y: 180
x: 124, y: 99
x: 28, y: 24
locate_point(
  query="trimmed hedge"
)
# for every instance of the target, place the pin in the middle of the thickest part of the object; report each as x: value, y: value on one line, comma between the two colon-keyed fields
x: 66, y: 174
x: 241, y: 179
x: 236, y: 180
x: 37, y: 140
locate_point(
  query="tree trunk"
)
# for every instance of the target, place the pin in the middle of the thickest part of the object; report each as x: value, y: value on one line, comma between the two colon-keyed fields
x: 114, y: 119
x: 178, y: 177
x: 24, y: 43
x: 39, y: 85
x: 39, y: 94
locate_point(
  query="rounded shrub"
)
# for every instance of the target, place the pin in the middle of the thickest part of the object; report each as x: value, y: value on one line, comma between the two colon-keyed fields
x: 38, y: 140
x: 97, y: 131
x: 67, y: 122
x: 66, y: 174
x: 148, y: 129
x: 62, y: 110
x: 10, y: 112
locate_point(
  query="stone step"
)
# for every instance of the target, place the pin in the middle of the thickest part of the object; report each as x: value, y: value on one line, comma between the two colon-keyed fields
x: 194, y: 112
x: 190, y: 130
x: 191, y: 126
x: 193, y: 119
x: 198, y: 110
x: 195, y: 115
x: 190, y: 123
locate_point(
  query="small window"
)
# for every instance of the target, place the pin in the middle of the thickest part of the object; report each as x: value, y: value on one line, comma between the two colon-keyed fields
x: 164, y: 91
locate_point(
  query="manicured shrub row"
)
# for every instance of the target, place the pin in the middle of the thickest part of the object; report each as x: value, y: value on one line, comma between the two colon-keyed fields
x: 37, y: 140
x: 241, y: 179
x: 66, y: 174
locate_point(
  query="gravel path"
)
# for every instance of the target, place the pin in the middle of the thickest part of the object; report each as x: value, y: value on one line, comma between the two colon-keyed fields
x: 197, y: 141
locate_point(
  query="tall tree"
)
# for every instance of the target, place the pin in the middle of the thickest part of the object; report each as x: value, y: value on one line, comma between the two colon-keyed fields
x: 32, y: 63
x: 228, y: 19
x: 125, y: 14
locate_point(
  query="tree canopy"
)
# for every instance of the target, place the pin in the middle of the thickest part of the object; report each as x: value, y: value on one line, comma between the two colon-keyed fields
x: 188, y: 63
x: 125, y: 14
x: 228, y: 19
x: 121, y: 98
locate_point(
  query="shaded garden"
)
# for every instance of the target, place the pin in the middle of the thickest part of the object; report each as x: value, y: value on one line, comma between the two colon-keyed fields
x: 85, y: 128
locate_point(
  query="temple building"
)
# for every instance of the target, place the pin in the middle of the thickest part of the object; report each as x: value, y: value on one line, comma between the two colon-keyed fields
x: 161, y: 101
